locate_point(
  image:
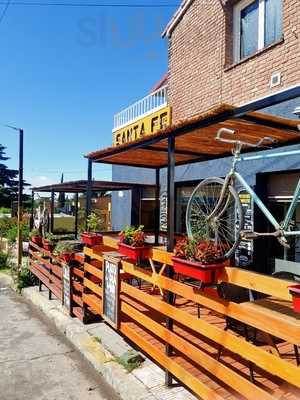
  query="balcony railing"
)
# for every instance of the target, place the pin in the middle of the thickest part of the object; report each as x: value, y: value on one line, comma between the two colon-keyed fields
x: 141, y: 108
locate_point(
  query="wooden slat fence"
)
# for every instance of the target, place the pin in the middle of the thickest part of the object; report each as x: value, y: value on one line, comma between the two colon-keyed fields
x: 195, y: 340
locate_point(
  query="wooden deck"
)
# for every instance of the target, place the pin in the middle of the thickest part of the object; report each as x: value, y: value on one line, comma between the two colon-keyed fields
x: 269, y: 383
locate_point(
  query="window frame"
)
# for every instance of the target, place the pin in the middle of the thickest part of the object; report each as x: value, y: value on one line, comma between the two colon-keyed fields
x: 238, y: 8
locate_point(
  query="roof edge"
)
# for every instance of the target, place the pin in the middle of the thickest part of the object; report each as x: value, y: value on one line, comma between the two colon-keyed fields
x: 176, y: 18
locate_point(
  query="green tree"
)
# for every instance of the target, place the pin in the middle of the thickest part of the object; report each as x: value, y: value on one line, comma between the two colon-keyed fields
x: 61, y: 197
x: 8, y: 182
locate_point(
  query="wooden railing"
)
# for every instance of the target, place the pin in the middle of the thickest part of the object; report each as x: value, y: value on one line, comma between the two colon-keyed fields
x: 197, y: 341
x: 47, y: 268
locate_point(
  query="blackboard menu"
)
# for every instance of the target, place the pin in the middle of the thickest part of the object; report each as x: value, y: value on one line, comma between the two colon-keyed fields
x: 111, y: 265
x: 244, y: 251
x: 67, y: 287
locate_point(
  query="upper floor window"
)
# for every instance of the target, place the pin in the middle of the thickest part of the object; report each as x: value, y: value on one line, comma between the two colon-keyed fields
x: 257, y: 24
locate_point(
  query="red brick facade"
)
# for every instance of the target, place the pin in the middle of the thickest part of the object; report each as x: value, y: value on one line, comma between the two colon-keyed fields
x: 201, y: 73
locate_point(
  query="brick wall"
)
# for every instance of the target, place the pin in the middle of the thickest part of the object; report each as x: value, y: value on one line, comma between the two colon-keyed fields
x: 201, y: 73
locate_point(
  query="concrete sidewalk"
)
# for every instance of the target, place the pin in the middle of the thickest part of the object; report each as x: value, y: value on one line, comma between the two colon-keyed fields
x: 37, y: 362
x: 102, y: 347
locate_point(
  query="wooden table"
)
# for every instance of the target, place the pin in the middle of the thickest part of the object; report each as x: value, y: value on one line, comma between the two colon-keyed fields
x: 279, y: 314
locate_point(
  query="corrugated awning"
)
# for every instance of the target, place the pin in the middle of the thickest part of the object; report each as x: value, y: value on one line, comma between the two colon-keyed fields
x: 195, y: 139
x: 81, y: 187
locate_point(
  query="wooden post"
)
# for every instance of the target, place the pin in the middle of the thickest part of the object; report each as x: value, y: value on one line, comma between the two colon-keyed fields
x: 52, y: 211
x: 76, y: 215
x: 88, y: 206
x: 171, y: 231
x: 157, y: 205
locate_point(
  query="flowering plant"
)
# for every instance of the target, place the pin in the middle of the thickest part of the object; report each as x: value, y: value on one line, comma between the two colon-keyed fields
x: 132, y: 236
x: 203, y: 251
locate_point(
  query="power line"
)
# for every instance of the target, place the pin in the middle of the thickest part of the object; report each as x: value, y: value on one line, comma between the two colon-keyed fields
x: 4, y: 10
x: 103, y: 5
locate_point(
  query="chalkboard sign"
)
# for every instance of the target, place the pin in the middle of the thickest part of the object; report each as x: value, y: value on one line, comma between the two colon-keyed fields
x: 244, y: 251
x: 111, y: 265
x: 67, y: 287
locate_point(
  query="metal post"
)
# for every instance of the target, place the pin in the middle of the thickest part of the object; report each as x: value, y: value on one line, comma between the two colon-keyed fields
x: 76, y: 215
x: 88, y: 206
x: 52, y: 211
x: 171, y: 230
x: 157, y: 205
x: 20, y: 202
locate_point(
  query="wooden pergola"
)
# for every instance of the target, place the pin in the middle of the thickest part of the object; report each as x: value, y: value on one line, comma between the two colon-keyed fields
x: 192, y: 141
x: 83, y: 186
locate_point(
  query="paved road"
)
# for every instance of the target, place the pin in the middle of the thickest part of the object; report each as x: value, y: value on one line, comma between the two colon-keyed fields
x: 37, y: 362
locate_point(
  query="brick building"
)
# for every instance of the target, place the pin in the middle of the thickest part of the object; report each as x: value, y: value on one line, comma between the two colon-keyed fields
x: 234, y: 52
x: 207, y: 66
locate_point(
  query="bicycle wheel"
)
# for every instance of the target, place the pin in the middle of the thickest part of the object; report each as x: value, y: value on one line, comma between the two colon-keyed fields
x: 224, y: 229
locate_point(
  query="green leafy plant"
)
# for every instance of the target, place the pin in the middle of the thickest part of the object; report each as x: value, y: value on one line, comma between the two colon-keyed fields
x: 25, y: 279
x: 6, y: 224
x: 64, y: 247
x: 203, y: 251
x: 94, y: 222
x: 132, y: 236
x: 34, y: 233
x: 51, y: 239
x: 5, y: 210
x: 5, y: 261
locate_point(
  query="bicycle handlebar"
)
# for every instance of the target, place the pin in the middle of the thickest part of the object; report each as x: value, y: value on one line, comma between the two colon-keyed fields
x: 240, y: 142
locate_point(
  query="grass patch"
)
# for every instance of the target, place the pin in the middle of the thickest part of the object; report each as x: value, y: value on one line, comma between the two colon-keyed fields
x: 130, y: 360
x: 97, y: 339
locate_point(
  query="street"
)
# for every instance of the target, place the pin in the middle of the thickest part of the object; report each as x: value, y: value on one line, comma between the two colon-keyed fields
x: 37, y: 362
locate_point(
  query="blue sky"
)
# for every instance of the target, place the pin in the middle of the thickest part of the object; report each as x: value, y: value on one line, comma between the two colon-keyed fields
x: 65, y: 72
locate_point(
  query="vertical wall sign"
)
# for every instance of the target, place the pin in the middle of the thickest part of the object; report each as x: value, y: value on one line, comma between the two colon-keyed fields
x: 111, y: 267
x: 163, y: 218
x: 67, y: 287
x: 244, y: 252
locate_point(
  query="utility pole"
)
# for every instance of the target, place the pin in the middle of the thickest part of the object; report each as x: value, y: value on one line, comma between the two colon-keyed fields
x: 20, y: 202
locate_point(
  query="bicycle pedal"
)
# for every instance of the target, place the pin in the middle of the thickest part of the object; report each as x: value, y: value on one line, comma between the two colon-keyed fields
x: 248, y: 235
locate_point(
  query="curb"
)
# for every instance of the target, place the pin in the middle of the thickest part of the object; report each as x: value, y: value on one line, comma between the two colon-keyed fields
x: 101, y: 346
x: 125, y: 384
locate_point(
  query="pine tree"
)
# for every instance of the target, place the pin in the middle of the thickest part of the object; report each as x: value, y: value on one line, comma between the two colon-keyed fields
x: 8, y: 182
x: 61, y: 196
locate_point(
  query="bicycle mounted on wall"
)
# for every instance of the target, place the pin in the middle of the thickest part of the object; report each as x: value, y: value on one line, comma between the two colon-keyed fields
x: 215, y: 211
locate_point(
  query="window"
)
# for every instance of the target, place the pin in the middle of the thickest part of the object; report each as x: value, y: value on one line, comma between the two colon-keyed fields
x: 257, y: 24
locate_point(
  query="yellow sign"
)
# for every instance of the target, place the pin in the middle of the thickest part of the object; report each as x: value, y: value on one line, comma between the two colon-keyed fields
x: 142, y: 127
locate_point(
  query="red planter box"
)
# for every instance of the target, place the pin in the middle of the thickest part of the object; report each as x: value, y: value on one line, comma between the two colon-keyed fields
x: 47, y: 246
x: 135, y: 253
x: 91, y: 239
x: 206, y: 273
x: 68, y: 257
x: 295, y: 292
x: 37, y: 240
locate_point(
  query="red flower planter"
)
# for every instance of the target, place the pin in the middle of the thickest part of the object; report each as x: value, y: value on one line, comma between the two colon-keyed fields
x: 47, y: 246
x: 295, y: 292
x: 37, y: 240
x: 206, y: 273
x: 68, y: 257
x: 91, y: 239
x: 135, y: 253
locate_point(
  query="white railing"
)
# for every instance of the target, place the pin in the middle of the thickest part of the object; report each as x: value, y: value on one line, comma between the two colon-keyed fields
x: 141, y: 108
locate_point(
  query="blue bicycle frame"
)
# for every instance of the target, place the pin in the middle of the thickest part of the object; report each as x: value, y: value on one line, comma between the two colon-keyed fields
x: 279, y: 227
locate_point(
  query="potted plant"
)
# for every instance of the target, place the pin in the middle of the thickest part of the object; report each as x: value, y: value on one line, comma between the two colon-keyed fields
x: 35, y: 237
x: 132, y: 243
x: 198, y: 258
x: 295, y: 292
x: 65, y: 249
x: 91, y: 237
x: 48, y: 241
